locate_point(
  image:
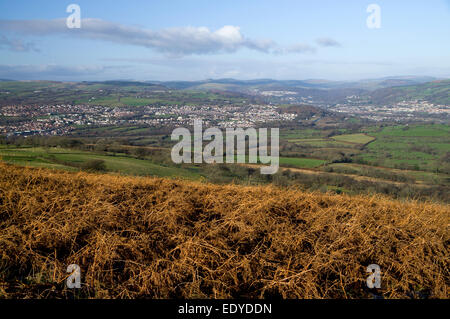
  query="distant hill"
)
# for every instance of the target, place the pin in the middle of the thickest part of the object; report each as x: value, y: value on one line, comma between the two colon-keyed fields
x: 117, y: 84
x: 437, y: 92
x: 111, y: 93
x: 378, y: 91
x: 391, y: 81
x: 270, y: 84
x: 24, y: 86
x: 236, y: 85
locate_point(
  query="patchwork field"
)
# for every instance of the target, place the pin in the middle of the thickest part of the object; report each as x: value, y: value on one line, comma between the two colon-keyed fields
x: 401, y: 161
x: 419, y: 147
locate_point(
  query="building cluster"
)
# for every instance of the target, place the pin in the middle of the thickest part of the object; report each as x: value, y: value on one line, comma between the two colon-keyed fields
x: 404, y: 110
x: 277, y: 93
x: 61, y: 119
x: 221, y: 115
x: 52, y: 119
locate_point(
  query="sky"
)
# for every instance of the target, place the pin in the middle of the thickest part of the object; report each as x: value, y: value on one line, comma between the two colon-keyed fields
x: 242, y: 39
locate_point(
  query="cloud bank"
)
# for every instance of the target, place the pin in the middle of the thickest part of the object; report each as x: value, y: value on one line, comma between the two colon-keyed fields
x: 58, y: 72
x: 178, y: 41
x: 174, y: 41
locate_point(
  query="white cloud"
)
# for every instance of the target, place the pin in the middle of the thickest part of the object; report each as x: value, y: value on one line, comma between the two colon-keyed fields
x: 16, y: 45
x: 173, y: 41
x: 58, y: 72
x: 179, y: 41
x: 301, y: 48
x: 328, y: 42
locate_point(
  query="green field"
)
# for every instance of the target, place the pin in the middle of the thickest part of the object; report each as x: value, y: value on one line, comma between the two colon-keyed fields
x: 354, y: 138
x: 422, y: 151
x: 64, y: 158
x: 410, y: 147
x: 300, y: 134
x: 421, y: 147
x: 435, y: 130
x: 301, y: 162
x: 320, y: 142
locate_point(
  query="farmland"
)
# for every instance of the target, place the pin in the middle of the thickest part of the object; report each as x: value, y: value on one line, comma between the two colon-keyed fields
x: 405, y: 161
x: 68, y: 159
x: 420, y: 147
x: 301, y: 162
x: 354, y: 138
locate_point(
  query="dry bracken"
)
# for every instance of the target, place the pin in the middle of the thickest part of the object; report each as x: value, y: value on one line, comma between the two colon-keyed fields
x: 160, y: 238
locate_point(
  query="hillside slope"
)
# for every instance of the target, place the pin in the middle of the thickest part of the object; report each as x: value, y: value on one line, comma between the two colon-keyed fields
x: 437, y: 92
x: 160, y: 238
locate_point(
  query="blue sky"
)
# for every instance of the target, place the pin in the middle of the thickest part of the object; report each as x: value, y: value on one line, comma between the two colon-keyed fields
x: 195, y: 40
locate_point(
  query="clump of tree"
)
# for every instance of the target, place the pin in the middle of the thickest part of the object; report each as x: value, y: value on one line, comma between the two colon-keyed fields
x: 325, y: 182
x: 140, y: 152
x: 45, y: 141
x: 444, y: 164
x: 423, y: 149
